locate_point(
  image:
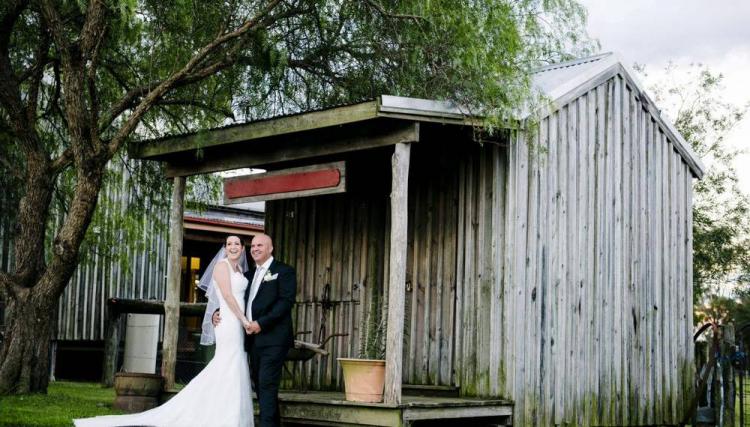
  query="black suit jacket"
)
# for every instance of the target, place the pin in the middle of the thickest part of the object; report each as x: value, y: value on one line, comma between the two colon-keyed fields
x: 272, y: 306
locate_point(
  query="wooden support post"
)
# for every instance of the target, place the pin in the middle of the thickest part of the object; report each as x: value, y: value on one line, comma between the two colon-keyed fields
x: 727, y: 348
x: 397, y: 274
x: 111, y: 346
x: 172, y: 301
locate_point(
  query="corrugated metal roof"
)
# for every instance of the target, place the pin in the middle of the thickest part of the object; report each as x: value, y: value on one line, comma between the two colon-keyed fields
x: 228, y: 215
x: 553, y: 79
x: 562, y: 82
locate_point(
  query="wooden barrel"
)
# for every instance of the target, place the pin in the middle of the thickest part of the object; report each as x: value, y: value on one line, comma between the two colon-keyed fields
x: 137, y: 392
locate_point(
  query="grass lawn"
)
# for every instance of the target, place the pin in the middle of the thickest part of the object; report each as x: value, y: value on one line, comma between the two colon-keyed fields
x: 746, y: 402
x: 63, y: 402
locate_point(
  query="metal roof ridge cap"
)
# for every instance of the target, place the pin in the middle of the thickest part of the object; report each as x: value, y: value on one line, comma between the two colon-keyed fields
x: 581, y: 79
x: 419, y: 106
x: 572, y: 62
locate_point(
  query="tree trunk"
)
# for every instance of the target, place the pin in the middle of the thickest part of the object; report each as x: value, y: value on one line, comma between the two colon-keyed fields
x: 34, y: 290
x: 25, y: 350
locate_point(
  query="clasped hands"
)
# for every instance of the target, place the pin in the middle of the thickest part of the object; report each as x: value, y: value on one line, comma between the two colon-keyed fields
x: 251, y: 328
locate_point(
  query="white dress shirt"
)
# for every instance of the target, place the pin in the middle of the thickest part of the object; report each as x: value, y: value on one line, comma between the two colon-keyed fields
x: 260, y: 272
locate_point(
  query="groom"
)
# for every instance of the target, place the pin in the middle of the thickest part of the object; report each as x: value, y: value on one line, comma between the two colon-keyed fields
x: 269, y: 298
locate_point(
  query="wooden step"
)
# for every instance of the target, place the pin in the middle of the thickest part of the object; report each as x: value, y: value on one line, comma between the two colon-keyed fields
x: 430, y: 390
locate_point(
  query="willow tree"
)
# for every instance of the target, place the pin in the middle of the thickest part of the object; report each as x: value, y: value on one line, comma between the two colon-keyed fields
x: 80, y: 80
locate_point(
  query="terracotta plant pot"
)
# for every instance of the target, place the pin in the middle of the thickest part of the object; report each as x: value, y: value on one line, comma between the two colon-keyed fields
x: 363, y: 379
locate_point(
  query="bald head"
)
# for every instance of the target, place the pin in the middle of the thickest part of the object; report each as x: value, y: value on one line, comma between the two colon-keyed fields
x: 261, y: 248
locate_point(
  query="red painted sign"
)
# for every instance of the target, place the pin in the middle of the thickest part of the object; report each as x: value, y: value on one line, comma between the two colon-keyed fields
x: 258, y: 186
x: 298, y: 182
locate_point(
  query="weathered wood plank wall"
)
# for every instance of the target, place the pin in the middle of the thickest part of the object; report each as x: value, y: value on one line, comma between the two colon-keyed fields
x: 596, y: 272
x: 556, y: 272
x: 480, y: 309
x: 431, y: 264
x: 341, y: 241
x: 335, y: 242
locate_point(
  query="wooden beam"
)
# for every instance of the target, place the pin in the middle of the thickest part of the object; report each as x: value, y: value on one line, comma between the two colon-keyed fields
x: 242, y: 230
x: 126, y: 306
x: 111, y: 346
x: 397, y: 273
x: 256, y: 130
x: 300, y: 146
x: 172, y: 302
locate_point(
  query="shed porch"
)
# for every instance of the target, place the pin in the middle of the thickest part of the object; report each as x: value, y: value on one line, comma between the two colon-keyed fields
x: 331, y: 409
x: 381, y: 260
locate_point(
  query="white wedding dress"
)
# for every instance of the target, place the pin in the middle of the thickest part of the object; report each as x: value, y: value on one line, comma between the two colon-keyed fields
x: 218, y: 396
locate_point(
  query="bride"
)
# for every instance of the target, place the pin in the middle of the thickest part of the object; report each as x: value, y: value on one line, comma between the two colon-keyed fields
x: 220, y: 394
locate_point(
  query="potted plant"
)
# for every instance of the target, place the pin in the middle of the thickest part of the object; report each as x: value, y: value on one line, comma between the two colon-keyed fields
x: 364, y: 377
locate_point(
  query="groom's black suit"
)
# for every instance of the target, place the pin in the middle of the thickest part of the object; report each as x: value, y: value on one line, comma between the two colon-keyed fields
x: 272, y: 309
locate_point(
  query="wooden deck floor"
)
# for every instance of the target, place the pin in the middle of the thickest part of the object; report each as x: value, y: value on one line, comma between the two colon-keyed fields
x: 330, y: 409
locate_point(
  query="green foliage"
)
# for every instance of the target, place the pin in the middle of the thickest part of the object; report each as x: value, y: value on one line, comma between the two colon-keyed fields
x: 319, y: 53
x: 477, y: 54
x: 716, y: 309
x: 741, y: 312
x: 721, y: 220
x: 63, y: 402
x: 373, y: 346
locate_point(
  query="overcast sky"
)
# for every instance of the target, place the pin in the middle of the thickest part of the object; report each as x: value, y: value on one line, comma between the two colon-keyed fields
x: 715, y: 33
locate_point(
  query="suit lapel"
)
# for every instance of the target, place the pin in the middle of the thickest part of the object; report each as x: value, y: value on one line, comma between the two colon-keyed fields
x: 269, y: 271
x: 249, y: 276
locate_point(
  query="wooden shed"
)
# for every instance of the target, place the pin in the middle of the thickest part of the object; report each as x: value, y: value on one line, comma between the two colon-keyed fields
x: 546, y: 271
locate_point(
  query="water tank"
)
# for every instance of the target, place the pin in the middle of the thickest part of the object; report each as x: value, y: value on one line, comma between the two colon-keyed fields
x: 141, y: 341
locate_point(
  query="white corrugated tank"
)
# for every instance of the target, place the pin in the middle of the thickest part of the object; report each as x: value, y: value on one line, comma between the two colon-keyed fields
x: 141, y: 341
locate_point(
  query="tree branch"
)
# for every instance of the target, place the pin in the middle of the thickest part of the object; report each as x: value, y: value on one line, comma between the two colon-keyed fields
x: 10, y: 93
x: 134, y: 95
x: 54, y: 23
x: 8, y: 21
x: 29, y: 71
x: 61, y: 162
x: 52, y: 104
x: 192, y: 103
x: 381, y: 10
x: 93, y: 28
x: 37, y: 72
x: 84, y: 139
x: 92, y: 35
x: 153, y: 95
